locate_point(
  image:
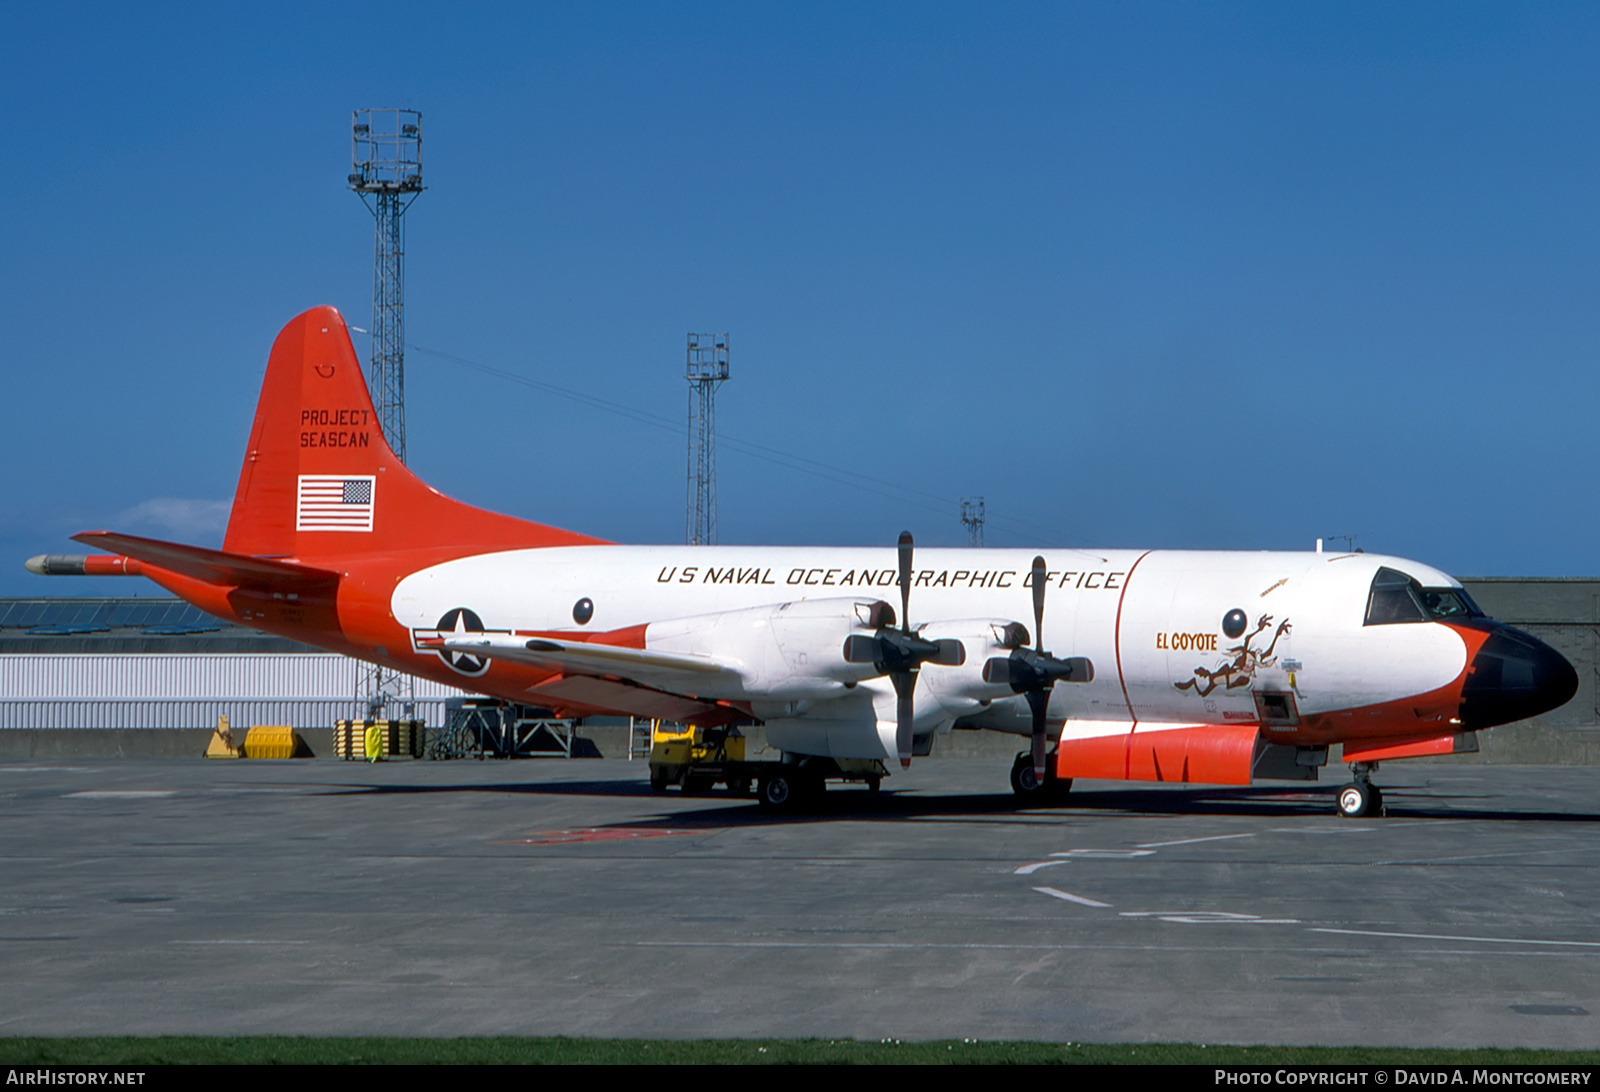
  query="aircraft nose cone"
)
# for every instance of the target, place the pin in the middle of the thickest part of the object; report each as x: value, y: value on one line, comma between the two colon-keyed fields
x: 1513, y: 677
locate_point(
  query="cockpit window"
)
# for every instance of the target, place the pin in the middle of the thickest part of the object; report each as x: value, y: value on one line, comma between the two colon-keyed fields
x: 1396, y: 597
x: 1449, y: 603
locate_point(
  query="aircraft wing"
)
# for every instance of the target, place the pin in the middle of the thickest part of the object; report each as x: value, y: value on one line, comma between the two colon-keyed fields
x: 636, y: 681
x: 673, y: 671
x: 613, y: 697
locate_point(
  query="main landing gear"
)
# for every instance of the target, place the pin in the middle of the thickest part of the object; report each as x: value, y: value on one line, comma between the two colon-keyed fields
x: 1028, y: 788
x: 1361, y: 797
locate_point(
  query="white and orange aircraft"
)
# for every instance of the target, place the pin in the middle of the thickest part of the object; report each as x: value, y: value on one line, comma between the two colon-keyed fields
x: 1180, y: 666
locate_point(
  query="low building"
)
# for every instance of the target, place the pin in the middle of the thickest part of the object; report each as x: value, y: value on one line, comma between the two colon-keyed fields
x: 142, y: 664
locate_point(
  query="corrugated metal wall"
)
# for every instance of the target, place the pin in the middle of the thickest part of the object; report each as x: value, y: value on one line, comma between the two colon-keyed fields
x: 193, y: 713
x: 187, y: 690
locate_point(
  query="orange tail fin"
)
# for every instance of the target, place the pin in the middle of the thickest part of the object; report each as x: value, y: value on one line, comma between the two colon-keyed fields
x: 320, y: 482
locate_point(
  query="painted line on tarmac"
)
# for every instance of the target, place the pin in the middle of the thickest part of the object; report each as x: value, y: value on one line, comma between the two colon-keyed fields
x: 1207, y: 917
x: 1192, y: 841
x: 1079, y: 899
x: 1521, y: 855
x: 1030, y: 869
x: 1254, y: 948
x: 590, y: 834
x: 50, y: 769
x: 1447, y: 936
x: 1225, y: 917
x: 233, y: 942
x: 119, y: 794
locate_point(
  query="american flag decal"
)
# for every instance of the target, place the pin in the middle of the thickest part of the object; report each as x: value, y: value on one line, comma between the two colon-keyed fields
x: 334, y: 502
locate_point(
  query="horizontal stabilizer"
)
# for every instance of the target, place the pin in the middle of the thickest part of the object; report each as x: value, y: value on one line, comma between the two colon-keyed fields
x: 211, y: 566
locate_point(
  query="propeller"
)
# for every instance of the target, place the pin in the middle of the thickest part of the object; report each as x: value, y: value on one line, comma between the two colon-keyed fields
x: 1033, y: 672
x: 900, y: 654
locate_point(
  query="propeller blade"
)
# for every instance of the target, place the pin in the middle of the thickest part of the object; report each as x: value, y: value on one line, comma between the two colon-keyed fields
x: 861, y: 649
x: 905, y: 581
x: 905, y: 706
x: 900, y: 653
x: 1038, y: 702
x: 1039, y: 692
x: 1040, y: 575
x: 905, y: 683
x: 997, y: 670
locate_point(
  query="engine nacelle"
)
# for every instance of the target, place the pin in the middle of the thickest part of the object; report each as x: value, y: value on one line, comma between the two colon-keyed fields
x: 962, y: 690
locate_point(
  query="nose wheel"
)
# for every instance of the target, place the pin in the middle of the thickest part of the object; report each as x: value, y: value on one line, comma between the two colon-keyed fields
x: 1361, y: 797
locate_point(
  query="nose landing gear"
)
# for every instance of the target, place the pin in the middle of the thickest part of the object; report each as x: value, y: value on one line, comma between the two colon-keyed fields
x: 1361, y: 797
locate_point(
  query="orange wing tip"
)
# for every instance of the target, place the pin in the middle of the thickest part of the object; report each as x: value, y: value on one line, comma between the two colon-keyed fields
x: 79, y: 565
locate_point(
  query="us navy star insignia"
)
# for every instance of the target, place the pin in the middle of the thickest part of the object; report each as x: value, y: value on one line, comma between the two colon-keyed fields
x: 455, y: 623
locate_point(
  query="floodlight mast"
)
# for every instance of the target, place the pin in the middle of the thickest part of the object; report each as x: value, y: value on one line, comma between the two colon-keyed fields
x: 707, y: 369
x: 386, y: 172
x: 972, y: 519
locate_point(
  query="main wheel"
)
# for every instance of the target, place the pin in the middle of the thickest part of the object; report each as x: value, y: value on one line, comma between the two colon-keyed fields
x: 789, y: 788
x: 778, y: 791
x: 1356, y: 800
x: 1023, y: 780
x: 1027, y: 786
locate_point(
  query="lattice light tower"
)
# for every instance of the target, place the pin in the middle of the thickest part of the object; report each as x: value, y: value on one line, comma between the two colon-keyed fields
x: 708, y: 367
x: 386, y: 171
x: 972, y: 519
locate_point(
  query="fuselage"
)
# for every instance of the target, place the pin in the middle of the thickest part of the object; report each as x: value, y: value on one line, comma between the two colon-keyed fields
x: 1156, y: 625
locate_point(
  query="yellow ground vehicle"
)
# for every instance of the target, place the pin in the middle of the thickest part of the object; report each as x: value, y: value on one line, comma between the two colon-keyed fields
x: 697, y: 758
x: 700, y: 758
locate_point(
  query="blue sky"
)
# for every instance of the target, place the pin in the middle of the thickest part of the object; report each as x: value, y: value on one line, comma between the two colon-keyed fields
x: 1214, y: 276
